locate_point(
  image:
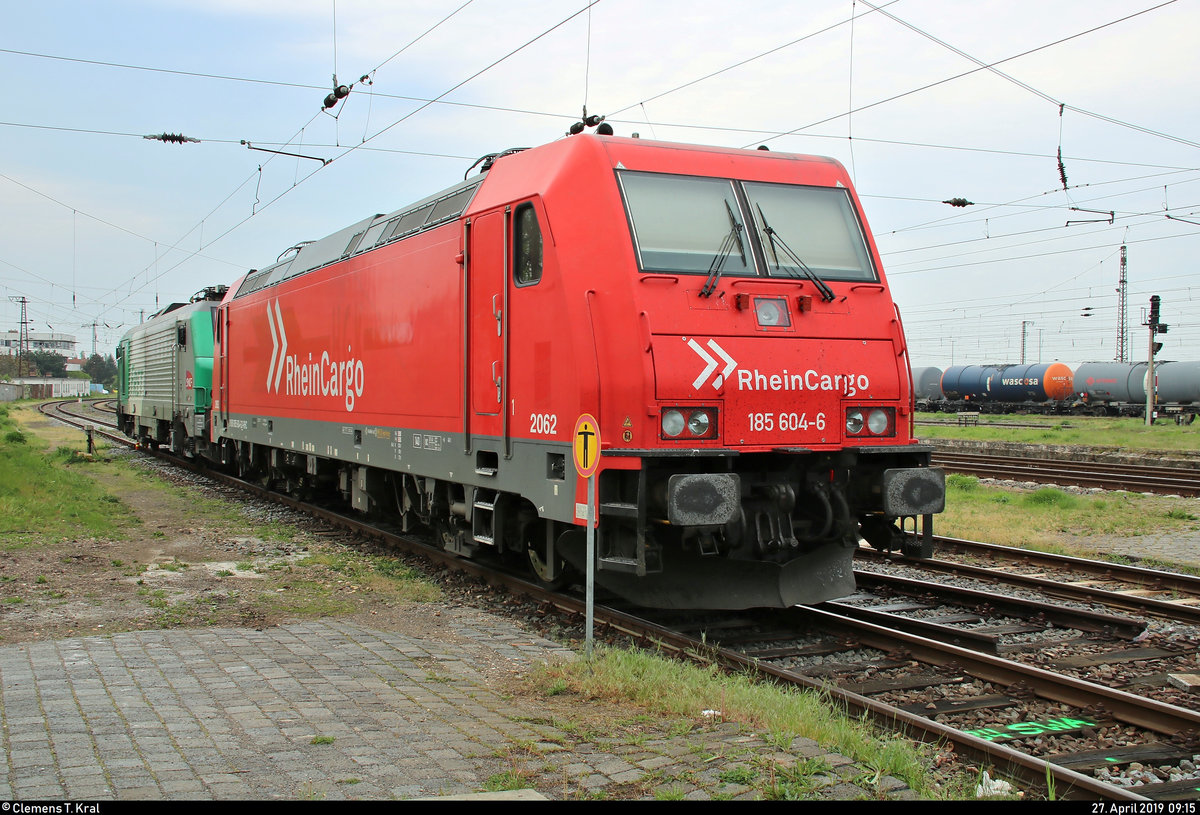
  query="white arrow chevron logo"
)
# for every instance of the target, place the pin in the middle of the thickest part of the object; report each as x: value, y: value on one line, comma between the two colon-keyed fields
x: 278, y: 353
x: 710, y: 364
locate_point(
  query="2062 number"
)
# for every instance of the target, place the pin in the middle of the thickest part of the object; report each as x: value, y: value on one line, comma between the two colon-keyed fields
x: 543, y: 424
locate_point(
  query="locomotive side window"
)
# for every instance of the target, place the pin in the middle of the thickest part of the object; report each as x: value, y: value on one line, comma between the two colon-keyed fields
x: 686, y: 224
x: 527, y: 247
x: 372, y: 235
x: 410, y: 221
x: 451, y: 206
x: 817, y: 223
x: 353, y: 244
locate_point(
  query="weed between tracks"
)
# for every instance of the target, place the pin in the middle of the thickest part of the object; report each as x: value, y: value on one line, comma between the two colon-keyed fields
x: 675, y: 692
x: 1054, y: 520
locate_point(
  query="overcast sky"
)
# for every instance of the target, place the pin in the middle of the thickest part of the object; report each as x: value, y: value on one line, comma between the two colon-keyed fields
x: 922, y: 100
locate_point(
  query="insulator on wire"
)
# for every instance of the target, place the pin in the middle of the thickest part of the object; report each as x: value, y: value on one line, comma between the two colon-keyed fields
x: 594, y: 120
x: 339, y: 92
x: 171, y: 138
x: 959, y: 202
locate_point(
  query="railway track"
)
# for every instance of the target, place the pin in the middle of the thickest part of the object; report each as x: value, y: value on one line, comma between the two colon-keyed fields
x: 1024, y: 717
x: 1167, y: 595
x: 954, y: 422
x: 949, y: 679
x: 1128, y: 477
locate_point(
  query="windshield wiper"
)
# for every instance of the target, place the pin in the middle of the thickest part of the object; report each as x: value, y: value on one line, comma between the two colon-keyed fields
x: 826, y: 293
x: 734, y: 235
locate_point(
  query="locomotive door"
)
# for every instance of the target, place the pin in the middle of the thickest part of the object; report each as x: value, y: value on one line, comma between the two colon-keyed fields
x: 487, y: 316
x: 221, y: 414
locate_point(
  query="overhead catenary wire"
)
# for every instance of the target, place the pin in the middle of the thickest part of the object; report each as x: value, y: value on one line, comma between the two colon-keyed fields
x: 189, y: 255
x: 257, y: 209
x: 440, y: 101
x: 992, y: 66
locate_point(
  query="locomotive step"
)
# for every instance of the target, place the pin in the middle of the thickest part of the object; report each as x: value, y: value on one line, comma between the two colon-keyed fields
x: 620, y: 510
x: 619, y: 564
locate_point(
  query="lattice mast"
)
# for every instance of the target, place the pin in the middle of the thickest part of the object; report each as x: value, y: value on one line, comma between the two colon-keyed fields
x: 23, y: 341
x: 1123, y: 312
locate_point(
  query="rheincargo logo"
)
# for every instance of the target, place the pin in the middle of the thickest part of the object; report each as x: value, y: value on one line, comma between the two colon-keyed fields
x: 810, y: 380
x: 325, y: 376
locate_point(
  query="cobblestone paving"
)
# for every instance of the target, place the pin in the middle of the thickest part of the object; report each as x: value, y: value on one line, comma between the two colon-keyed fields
x: 322, y: 710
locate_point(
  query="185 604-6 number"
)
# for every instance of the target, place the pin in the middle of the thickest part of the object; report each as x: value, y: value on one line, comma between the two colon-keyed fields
x: 766, y: 422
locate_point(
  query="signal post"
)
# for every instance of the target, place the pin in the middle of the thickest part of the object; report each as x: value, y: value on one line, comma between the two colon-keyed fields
x: 586, y: 444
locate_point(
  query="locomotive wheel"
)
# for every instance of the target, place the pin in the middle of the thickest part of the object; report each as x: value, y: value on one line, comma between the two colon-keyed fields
x: 538, y: 565
x: 443, y: 535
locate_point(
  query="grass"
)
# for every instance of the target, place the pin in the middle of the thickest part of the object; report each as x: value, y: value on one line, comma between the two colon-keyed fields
x: 799, y: 782
x: 330, y: 583
x: 49, y: 492
x: 668, y: 688
x: 743, y: 775
x: 507, y: 781
x: 1125, y: 434
x: 1054, y: 520
x: 56, y: 505
x: 1050, y: 517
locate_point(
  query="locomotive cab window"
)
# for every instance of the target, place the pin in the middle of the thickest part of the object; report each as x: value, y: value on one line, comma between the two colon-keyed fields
x: 818, y: 225
x: 686, y: 224
x: 527, y: 247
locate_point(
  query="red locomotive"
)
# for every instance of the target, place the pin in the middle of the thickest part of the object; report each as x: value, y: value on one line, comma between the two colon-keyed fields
x: 722, y: 314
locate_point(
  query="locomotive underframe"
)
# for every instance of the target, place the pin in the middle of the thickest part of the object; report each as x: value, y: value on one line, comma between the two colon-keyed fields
x: 776, y: 528
x: 773, y: 529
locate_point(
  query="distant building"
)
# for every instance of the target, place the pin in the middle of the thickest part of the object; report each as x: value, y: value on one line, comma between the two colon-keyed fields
x: 47, y: 388
x: 10, y: 342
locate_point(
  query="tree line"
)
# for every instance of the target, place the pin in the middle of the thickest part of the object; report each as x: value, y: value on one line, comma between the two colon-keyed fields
x: 101, y: 370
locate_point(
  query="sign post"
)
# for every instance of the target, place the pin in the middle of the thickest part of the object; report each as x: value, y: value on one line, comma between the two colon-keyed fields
x: 586, y: 443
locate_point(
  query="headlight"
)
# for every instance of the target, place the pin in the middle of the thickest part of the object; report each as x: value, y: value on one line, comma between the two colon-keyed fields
x: 672, y: 423
x: 698, y: 423
x: 863, y: 421
x: 689, y: 423
x: 878, y: 422
x: 771, y: 312
x: 854, y: 422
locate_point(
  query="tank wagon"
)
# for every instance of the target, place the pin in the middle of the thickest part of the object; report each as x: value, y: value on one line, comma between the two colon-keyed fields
x: 927, y: 386
x: 1119, y: 388
x: 718, y: 318
x: 1094, y: 388
x: 1007, y: 388
x: 1036, y: 388
x: 164, y: 375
